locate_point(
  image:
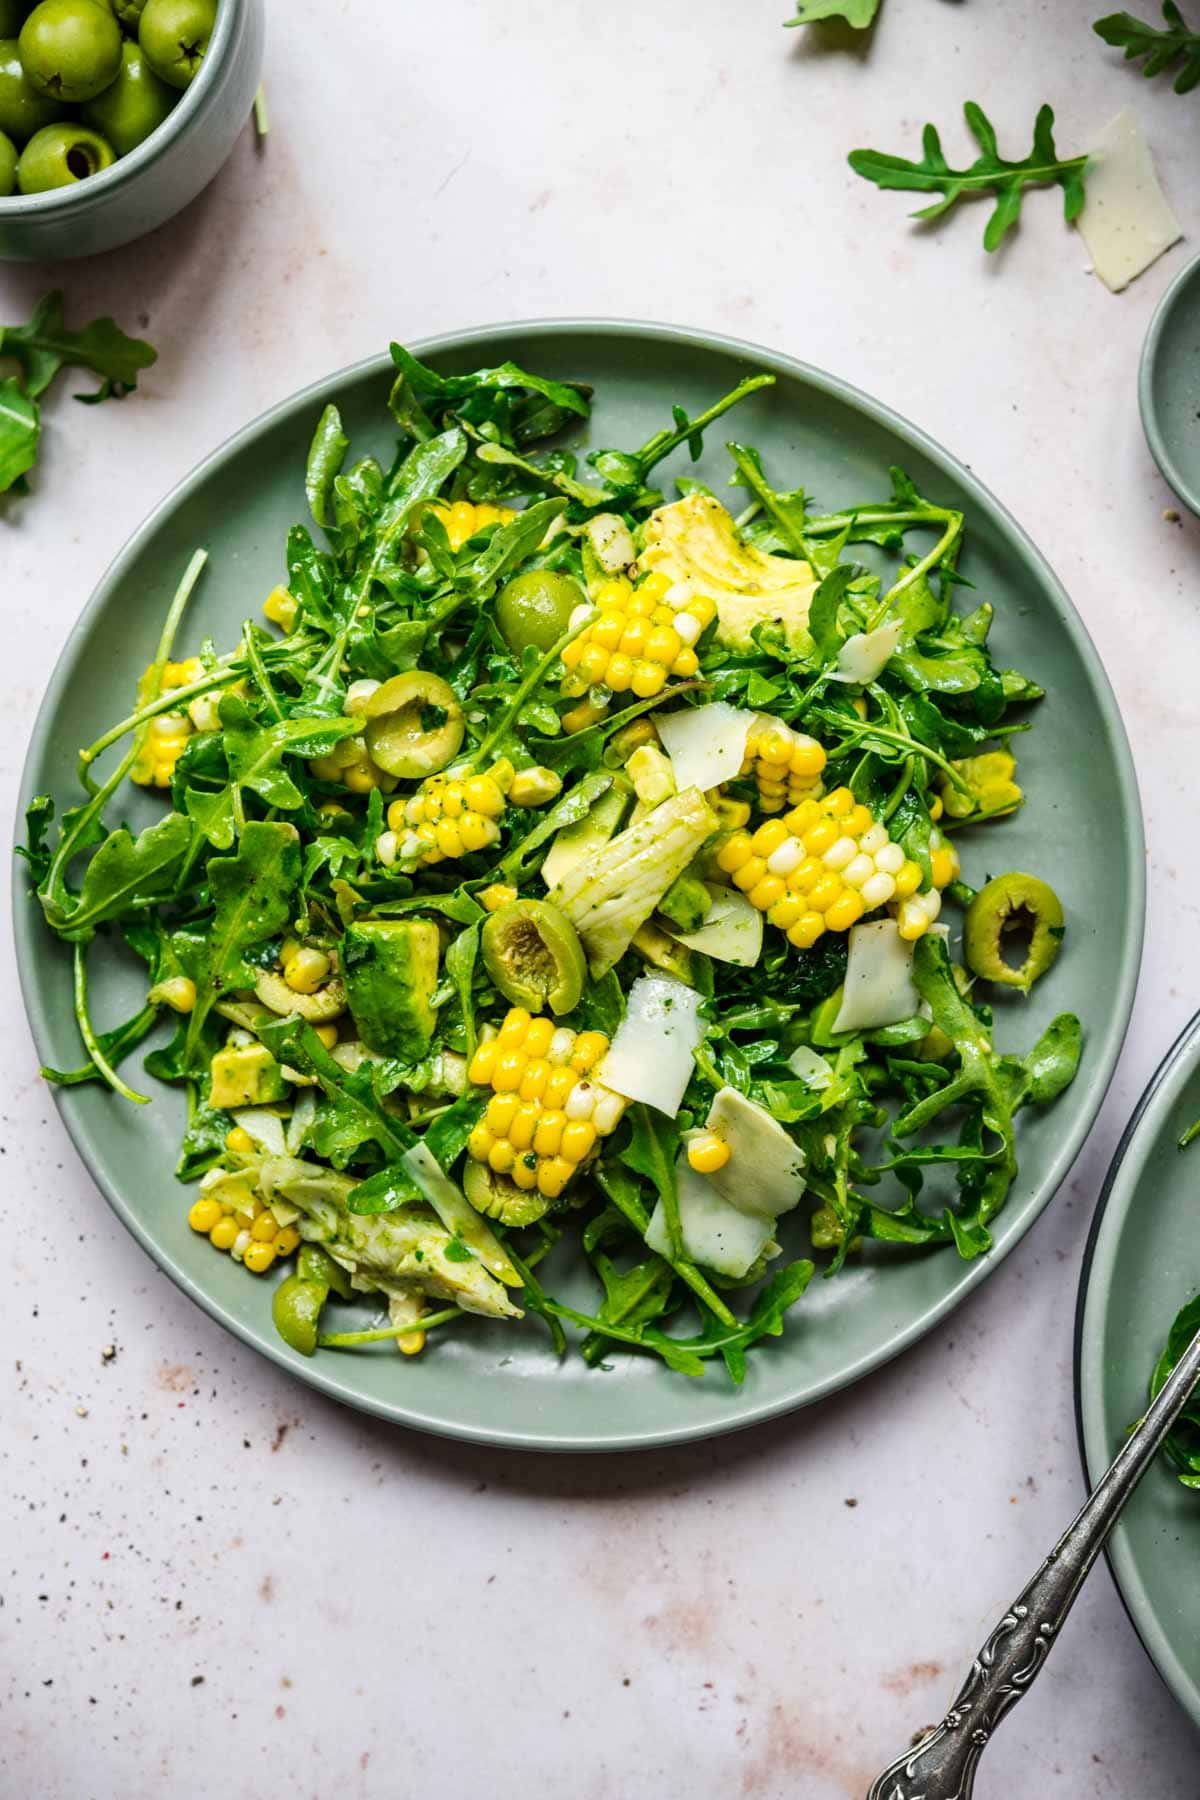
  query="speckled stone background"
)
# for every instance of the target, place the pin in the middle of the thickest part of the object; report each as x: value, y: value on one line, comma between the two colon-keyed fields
x: 215, y: 1583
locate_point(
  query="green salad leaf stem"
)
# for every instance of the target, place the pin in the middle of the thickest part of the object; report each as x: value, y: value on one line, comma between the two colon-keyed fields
x: 1172, y: 45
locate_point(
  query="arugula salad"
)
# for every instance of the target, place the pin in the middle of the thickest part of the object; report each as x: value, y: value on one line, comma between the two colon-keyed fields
x: 554, y: 883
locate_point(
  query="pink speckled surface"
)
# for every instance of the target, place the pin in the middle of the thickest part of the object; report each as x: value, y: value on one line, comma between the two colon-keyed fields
x: 213, y: 1582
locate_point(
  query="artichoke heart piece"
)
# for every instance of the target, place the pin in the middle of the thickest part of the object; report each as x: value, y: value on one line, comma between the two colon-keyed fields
x: 695, y: 540
x: 610, y: 894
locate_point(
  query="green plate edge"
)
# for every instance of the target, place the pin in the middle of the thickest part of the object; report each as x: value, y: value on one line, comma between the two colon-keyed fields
x: 1112, y: 1373
x: 740, y: 1408
x: 1178, y: 309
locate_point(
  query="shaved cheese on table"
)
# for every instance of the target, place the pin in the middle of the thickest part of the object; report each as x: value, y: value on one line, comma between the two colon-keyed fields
x: 1126, y: 221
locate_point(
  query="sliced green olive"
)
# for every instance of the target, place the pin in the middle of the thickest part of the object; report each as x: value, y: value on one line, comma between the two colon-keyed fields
x: 535, y: 608
x: 1013, y: 903
x: 498, y: 1196
x: 296, y: 1309
x: 315, y: 1264
x: 533, y: 954
x: 328, y: 1003
x: 415, y: 725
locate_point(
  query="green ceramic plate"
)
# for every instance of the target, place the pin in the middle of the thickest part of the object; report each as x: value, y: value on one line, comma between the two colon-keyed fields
x: 1169, y: 385
x: 503, y: 1386
x: 1142, y: 1264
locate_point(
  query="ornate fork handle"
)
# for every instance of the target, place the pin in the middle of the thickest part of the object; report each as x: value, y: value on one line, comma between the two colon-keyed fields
x: 942, y: 1766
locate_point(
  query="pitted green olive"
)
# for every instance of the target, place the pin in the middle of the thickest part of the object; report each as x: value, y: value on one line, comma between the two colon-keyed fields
x: 532, y: 952
x: 296, y: 1310
x: 70, y: 49
x: 1013, y: 903
x: 321, y: 1008
x: 498, y: 1196
x: 535, y: 608
x: 415, y: 725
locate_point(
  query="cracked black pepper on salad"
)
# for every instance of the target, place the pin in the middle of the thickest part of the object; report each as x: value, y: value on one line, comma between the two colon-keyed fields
x: 560, y: 873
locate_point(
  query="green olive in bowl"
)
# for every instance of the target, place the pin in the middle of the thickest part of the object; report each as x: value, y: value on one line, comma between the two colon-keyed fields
x: 70, y: 49
x: 60, y: 155
x: 133, y: 106
x: 8, y: 166
x: 174, y: 35
x: 22, y: 109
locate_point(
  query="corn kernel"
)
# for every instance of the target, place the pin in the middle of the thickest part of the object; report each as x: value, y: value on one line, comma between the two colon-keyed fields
x: 538, y: 1038
x: 281, y: 608
x: 287, y: 1240
x: 578, y: 1137
x: 501, y: 1111
x: 264, y: 1229
x: 553, y: 1176
x: 258, y: 1257
x: 496, y: 895
x: 908, y: 879
x: 707, y: 1152
x: 547, y: 1136
x: 224, y: 1234
x: 204, y: 1214
x: 239, y: 1141
x: 516, y: 1023
x: 521, y: 1128
x: 307, y: 971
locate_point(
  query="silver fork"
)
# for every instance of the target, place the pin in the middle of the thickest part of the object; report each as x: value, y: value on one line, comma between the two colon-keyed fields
x: 942, y: 1766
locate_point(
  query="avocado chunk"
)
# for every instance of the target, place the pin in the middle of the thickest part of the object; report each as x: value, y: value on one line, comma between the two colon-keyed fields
x: 390, y: 967
x: 246, y: 1076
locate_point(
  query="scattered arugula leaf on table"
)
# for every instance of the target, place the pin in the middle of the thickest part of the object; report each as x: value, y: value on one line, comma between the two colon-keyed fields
x: 1162, y: 48
x: 989, y: 173
x: 40, y: 350
x: 858, y: 13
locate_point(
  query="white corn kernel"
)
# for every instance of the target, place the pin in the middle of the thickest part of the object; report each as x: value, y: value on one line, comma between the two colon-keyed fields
x: 840, y: 854
x: 873, y: 839
x: 688, y: 626
x: 411, y: 846
x: 580, y: 616
x: 387, y: 847
x: 878, y: 890
x: 168, y: 725
x: 561, y: 1045
x: 239, y: 1245
x: 890, y: 859
x: 607, y: 1112
x: 788, y: 857
x: 858, y: 870
x: 581, y: 1101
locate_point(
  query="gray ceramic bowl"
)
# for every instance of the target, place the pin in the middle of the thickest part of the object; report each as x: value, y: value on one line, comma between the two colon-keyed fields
x: 1169, y: 385
x: 154, y: 182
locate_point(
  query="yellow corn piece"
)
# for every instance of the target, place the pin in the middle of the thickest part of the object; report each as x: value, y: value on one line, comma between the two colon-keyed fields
x: 462, y: 520
x: 449, y: 816
x: 638, y: 639
x: 990, y: 779
x: 786, y: 765
x: 822, y: 866
x: 235, y: 1221
x: 546, y: 1113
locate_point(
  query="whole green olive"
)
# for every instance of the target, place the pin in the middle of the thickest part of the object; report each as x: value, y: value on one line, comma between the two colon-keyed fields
x: 12, y: 17
x: 133, y: 106
x: 1013, y: 903
x: 535, y: 608
x: 175, y: 34
x: 296, y: 1310
x: 22, y: 109
x: 60, y: 155
x: 8, y: 166
x: 70, y: 49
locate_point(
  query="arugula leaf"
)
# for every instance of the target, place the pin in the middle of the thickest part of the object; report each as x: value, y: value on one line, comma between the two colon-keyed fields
x: 1163, y: 49
x: 40, y: 349
x: 127, y: 874
x: 326, y: 454
x: 253, y: 893
x: 652, y: 1152
x: 1182, y: 1445
x: 44, y: 346
x: 990, y: 172
x: 354, y: 1115
x: 858, y: 13
x: 255, y: 752
x: 823, y: 625
x: 20, y: 430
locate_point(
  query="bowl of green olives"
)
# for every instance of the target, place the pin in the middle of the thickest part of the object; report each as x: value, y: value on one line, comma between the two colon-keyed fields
x: 115, y: 113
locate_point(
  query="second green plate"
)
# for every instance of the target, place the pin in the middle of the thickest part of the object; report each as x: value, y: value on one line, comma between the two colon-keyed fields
x: 1081, y: 826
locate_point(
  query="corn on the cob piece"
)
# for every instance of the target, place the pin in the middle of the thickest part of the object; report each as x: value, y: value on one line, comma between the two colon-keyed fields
x: 917, y: 912
x: 167, y: 733
x: 639, y: 638
x: 462, y: 520
x: 546, y: 1114
x: 821, y: 867
x: 234, y: 1220
x: 786, y: 765
x: 451, y: 816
